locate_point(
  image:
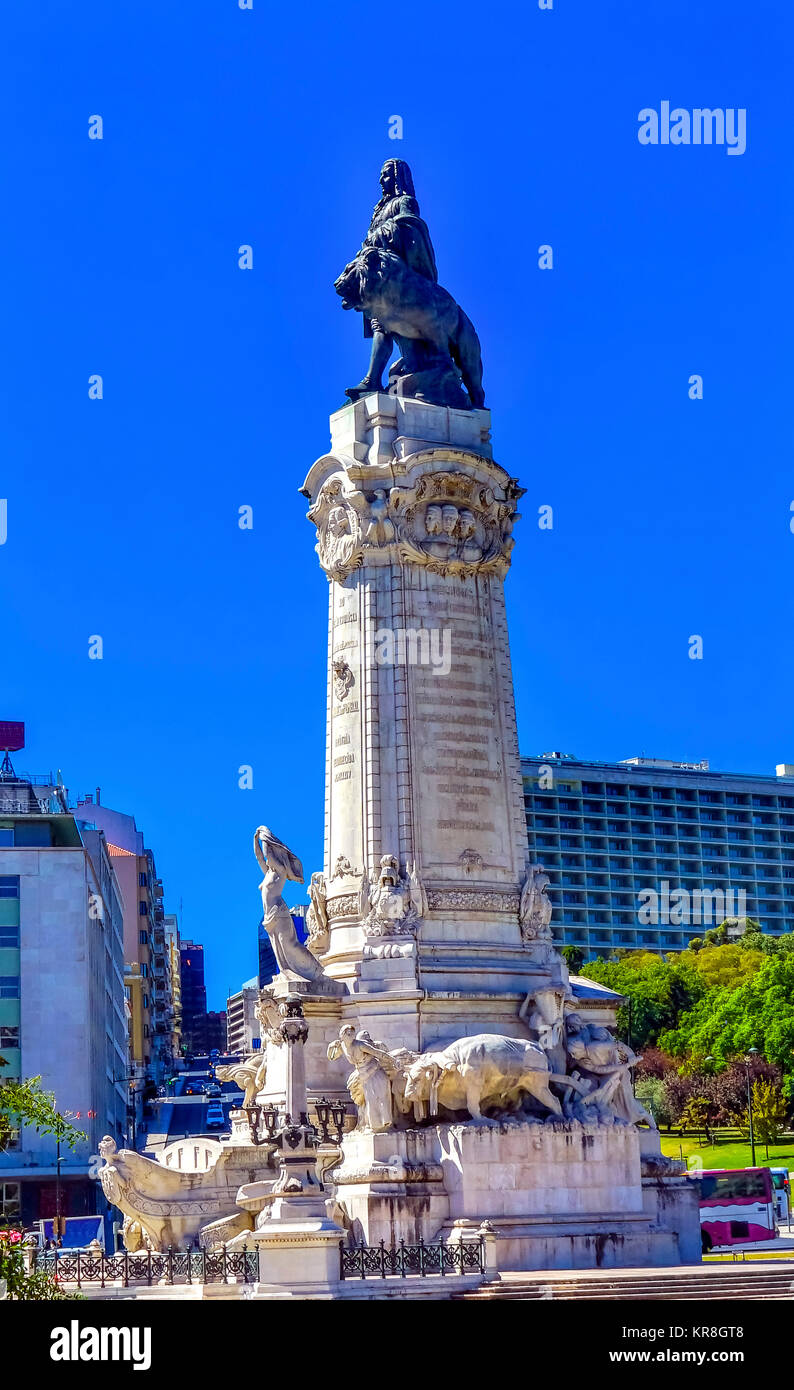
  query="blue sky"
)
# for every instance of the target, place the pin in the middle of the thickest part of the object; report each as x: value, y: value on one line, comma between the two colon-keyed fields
x: 268, y: 127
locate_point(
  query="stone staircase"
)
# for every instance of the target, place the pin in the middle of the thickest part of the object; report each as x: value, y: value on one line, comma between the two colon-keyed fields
x: 752, y: 1280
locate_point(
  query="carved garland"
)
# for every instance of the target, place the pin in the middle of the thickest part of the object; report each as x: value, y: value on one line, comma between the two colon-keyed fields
x: 464, y: 900
x: 345, y: 906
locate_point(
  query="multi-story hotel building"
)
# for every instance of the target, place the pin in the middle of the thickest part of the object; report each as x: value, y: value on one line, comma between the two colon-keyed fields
x: 607, y: 833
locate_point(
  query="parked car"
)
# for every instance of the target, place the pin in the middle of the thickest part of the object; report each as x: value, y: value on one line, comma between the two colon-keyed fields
x: 215, y: 1117
x: 213, y: 1089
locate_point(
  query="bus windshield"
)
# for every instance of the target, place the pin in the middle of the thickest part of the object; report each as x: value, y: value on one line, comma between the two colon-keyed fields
x: 749, y: 1184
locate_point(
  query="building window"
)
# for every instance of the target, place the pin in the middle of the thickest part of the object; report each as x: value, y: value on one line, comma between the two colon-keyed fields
x: 9, y: 1035
x: 142, y: 909
x: 6, y: 835
x: 9, y: 986
x: 9, y: 935
x: 9, y: 886
x: 146, y: 1030
x: 142, y: 880
x: 143, y: 937
x: 34, y: 835
x: 10, y: 1207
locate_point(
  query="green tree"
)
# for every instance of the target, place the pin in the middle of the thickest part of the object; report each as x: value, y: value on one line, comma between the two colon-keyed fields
x: 769, y: 1112
x: 697, y: 1115
x: 573, y: 957
x: 727, y: 964
x: 726, y: 1022
x: 650, y: 1091
x: 660, y: 989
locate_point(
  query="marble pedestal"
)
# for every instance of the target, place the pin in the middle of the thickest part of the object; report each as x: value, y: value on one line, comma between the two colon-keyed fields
x: 414, y: 520
x: 558, y: 1195
x: 303, y: 1258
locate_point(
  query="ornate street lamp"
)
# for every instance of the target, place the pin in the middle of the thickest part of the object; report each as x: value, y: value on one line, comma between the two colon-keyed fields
x: 331, y: 1113
x: 266, y: 1115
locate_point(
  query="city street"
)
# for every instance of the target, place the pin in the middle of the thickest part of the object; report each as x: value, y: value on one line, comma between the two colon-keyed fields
x: 179, y: 1115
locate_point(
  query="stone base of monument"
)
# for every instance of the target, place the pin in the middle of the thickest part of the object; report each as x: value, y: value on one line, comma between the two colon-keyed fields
x: 559, y: 1195
x: 298, y: 1249
x: 301, y: 1257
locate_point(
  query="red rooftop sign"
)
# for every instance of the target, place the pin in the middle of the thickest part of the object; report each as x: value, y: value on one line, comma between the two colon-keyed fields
x: 12, y: 735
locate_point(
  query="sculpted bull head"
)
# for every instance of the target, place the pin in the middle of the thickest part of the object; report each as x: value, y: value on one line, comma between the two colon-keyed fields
x: 423, y: 1081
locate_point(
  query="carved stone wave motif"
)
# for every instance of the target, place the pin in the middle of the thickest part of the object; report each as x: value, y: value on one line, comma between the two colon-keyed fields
x: 399, y: 1171
x: 447, y: 520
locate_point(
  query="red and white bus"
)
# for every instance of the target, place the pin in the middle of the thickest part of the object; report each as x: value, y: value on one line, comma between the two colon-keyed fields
x: 737, y: 1206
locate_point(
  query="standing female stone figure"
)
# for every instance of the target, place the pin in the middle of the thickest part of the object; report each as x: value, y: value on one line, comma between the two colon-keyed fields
x: 279, y: 864
x: 369, y: 1085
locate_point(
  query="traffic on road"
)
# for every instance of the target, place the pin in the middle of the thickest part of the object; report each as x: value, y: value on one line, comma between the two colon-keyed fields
x: 193, y: 1102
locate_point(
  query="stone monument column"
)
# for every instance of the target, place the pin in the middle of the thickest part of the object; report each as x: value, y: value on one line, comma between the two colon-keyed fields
x: 427, y: 890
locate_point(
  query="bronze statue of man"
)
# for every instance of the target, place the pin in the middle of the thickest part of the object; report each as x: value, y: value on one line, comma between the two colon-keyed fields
x: 395, y: 226
x: 393, y: 283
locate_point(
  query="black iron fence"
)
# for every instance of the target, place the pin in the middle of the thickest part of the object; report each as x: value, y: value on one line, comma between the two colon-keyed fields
x: 193, y: 1266
x: 381, y: 1261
